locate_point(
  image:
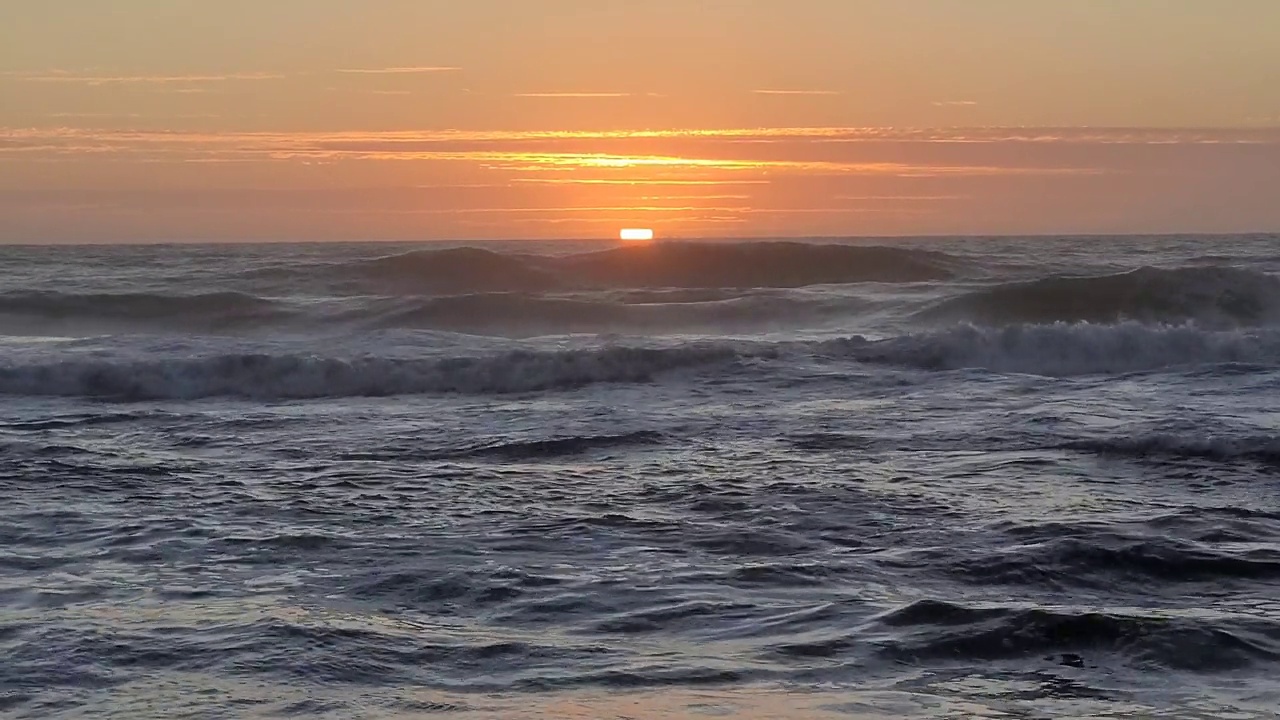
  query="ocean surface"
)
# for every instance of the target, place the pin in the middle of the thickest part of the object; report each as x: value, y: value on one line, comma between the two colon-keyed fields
x: 943, y: 478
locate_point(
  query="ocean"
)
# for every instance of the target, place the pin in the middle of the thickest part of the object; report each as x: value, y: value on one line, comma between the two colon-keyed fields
x: 896, y: 478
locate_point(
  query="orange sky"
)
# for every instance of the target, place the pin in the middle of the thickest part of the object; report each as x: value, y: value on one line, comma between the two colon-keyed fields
x: 424, y: 119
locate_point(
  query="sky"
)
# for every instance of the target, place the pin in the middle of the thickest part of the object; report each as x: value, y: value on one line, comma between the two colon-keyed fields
x: 189, y: 120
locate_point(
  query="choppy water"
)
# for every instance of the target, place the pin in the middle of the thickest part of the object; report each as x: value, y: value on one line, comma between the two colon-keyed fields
x: 924, y: 479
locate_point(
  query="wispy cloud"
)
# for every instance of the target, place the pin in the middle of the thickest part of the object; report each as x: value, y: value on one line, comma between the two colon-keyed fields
x: 415, y: 70
x: 954, y: 103
x: 798, y: 92
x: 657, y: 181
x: 572, y: 95
x: 412, y: 143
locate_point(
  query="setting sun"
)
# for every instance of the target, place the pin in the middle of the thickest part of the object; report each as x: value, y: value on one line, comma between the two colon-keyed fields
x: 636, y: 234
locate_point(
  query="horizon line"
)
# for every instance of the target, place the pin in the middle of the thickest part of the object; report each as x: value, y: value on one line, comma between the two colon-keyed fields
x: 658, y: 238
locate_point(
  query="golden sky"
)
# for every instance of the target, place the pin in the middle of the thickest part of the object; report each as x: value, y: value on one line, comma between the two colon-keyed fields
x: 425, y: 119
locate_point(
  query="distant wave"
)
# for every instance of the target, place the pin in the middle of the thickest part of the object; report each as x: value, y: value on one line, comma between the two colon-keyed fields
x: 514, y: 314
x: 456, y: 271
x: 1215, y: 296
x: 298, y: 376
x: 758, y: 264
x: 1063, y: 349
x: 220, y: 309
x: 510, y: 314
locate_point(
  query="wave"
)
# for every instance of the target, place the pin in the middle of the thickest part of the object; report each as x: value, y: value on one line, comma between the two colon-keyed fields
x: 690, y: 266
x: 509, y: 314
x: 263, y: 376
x: 1264, y: 449
x: 1065, y: 349
x: 937, y: 630
x: 1213, y: 296
x: 521, y: 315
x: 208, y: 310
x: 454, y: 271
x: 1049, y: 350
x: 518, y: 450
x: 757, y: 265
x: 1104, y: 559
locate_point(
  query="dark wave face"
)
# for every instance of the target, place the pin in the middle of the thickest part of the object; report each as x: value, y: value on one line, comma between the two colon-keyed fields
x: 1216, y: 296
x: 513, y: 315
x: 660, y: 265
x: 452, y: 271
x: 35, y: 311
x: 754, y: 265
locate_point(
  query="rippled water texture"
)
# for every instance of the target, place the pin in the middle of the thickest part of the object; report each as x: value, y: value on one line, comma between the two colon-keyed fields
x: 928, y: 479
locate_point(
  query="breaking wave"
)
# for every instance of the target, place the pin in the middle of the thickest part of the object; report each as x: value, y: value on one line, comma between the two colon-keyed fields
x: 1049, y: 350
x: 1066, y: 349
x: 264, y: 376
x: 1212, y: 296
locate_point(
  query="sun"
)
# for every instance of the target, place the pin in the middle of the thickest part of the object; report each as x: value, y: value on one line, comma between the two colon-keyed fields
x: 636, y: 234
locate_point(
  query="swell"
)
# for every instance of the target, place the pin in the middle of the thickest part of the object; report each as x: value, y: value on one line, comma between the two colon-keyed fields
x: 936, y: 630
x: 455, y: 271
x: 1106, y: 560
x: 1213, y: 296
x: 1263, y: 449
x: 518, y: 450
x: 514, y: 314
x: 758, y: 264
x: 207, y: 309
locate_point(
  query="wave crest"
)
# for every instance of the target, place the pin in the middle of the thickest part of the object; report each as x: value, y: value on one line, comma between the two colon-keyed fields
x: 299, y: 376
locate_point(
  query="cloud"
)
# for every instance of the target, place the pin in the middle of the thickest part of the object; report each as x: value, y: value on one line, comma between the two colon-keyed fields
x: 658, y: 181
x: 701, y: 156
x: 798, y: 92
x: 954, y: 103
x: 417, y: 70
x: 572, y: 95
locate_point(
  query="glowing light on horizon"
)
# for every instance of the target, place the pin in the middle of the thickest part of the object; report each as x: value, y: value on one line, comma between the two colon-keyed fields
x: 636, y: 234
